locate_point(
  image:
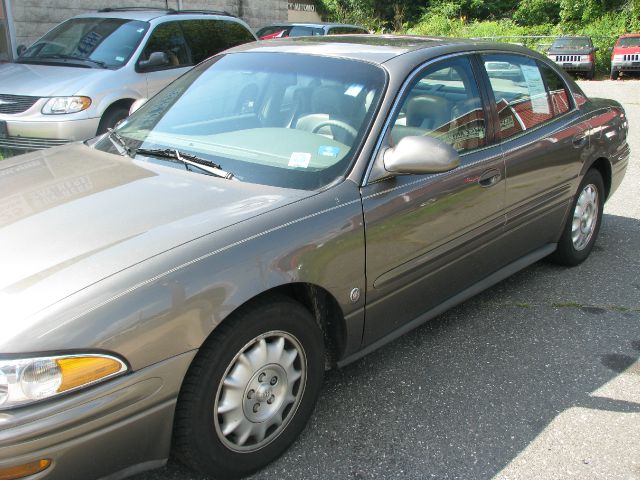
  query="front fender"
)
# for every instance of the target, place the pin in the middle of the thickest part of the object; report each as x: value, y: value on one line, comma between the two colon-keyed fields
x: 171, y: 303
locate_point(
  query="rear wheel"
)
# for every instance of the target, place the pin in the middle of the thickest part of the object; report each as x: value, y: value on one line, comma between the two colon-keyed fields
x: 250, y: 390
x: 582, y: 227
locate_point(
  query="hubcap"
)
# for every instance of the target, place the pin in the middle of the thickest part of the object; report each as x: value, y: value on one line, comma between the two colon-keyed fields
x: 585, y: 217
x: 260, y: 391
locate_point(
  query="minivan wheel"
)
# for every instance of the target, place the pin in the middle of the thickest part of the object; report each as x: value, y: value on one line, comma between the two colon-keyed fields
x: 111, y: 118
x: 250, y: 390
x: 582, y: 226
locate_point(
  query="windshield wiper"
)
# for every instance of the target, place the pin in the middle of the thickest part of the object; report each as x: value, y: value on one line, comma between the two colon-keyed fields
x: 187, y: 159
x: 61, y: 56
x: 119, y: 142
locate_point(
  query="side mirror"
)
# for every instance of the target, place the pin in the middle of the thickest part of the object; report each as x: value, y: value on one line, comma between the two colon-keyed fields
x: 156, y: 59
x: 595, y: 49
x: 610, y: 49
x: 420, y: 155
x: 21, y: 49
x: 136, y: 105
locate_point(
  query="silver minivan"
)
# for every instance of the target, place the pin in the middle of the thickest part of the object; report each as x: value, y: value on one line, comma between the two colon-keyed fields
x: 82, y: 77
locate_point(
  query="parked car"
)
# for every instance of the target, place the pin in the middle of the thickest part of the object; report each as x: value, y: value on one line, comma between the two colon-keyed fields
x: 625, y: 57
x: 574, y: 54
x: 184, y: 280
x: 80, y: 78
x: 283, y: 30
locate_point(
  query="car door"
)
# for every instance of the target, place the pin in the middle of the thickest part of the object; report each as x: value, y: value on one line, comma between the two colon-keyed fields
x: 544, y: 141
x: 167, y: 38
x: 429, y: 237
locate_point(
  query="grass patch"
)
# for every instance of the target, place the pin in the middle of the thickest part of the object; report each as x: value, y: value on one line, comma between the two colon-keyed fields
x: 567, y: 305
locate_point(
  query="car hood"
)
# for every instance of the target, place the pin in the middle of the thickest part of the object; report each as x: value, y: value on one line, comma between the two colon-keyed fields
x: 625, y: 50
x: 72, y: 216
x: 46, y: 80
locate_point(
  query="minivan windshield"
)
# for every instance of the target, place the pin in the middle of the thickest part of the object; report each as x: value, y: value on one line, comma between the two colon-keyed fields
x: 280, y: 119
x: 88, y: 42
x: 629, y: 42
x: 579, y: 43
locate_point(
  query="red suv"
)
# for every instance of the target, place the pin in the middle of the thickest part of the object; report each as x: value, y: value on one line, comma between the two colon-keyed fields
x: 625, y: 56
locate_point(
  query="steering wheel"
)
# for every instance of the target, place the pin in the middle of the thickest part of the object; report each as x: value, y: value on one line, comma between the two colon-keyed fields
x: 337, y: 123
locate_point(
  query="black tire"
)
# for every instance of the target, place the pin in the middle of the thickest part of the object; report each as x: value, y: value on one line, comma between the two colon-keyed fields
x: 614, y: 74
x: 591, y: 74
x: 111, y: 117
x: 199, y: 441
x: 571, y: 252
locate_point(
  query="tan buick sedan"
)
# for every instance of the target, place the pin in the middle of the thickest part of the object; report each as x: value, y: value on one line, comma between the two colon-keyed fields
x: 182, y: 282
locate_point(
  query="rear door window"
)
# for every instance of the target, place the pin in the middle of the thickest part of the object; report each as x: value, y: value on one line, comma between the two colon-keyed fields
x: 557, y: 90
x: 521, y: 97
x: 209, y: 37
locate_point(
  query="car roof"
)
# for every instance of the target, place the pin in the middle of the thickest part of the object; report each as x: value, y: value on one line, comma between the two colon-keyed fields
x: 312, y: 24
x: 630, y: 35
x: 145, y: 15
x: 371, y: 48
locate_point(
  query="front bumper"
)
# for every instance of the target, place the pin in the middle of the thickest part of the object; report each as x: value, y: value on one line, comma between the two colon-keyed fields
x: 107, y: 432
x: 625, y: 66
x: 25, y: 134
x: 576, y: 66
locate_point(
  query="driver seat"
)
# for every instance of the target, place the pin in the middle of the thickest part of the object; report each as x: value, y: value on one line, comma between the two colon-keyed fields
x: 326, y: 103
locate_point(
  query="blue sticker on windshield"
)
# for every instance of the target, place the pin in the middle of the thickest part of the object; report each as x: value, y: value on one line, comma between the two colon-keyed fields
x: 328, y: 151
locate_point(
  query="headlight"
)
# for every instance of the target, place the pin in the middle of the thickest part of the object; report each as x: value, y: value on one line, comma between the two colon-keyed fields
x: 59, y: 105
x: 27, y: 380
x: 618, y: 58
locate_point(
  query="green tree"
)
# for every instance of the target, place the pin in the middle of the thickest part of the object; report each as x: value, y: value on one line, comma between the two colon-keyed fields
x: 537, y: 12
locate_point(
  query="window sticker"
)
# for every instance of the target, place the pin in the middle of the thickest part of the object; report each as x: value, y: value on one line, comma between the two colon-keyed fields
x: 354, y: 90
x: 328, y: 151
x: 299, y: 159
x: 537, y: 92
x: 119, y: 59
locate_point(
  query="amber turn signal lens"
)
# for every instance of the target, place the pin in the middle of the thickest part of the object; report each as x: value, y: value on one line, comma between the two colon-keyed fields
x: 21, y: 471
x: 79, y: 371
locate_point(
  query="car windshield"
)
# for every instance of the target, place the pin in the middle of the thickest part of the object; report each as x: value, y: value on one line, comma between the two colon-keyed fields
x: 576, y: 42
x: 279, y: 119
x: 629, y: 42
x: 89, y: 42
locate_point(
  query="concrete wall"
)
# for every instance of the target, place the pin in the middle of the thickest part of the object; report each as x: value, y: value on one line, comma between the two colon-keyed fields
x: 33, y: 18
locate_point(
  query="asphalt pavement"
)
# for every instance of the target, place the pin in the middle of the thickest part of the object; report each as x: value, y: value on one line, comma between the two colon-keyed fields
x: 536, y: 378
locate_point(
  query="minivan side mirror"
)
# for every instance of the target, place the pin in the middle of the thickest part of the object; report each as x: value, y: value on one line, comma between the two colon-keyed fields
x: 21, y: 49
x: 155, y: 60
x: 421, y: 155
x: 136, y: 105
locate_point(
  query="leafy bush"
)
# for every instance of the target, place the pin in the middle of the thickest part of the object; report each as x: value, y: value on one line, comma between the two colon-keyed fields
x: 537, y: 12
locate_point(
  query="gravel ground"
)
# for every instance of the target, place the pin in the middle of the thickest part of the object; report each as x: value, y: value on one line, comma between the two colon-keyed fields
x: 536, y: 378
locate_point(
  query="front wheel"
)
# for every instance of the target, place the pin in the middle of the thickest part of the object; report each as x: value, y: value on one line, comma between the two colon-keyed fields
x: 250, y: 389
x: 614, y: 74
x: 582, y: 227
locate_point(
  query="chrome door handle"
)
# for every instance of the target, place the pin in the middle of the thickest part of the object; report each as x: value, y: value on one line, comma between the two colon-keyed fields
x: 489, y: 178
x: 579, y: 141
